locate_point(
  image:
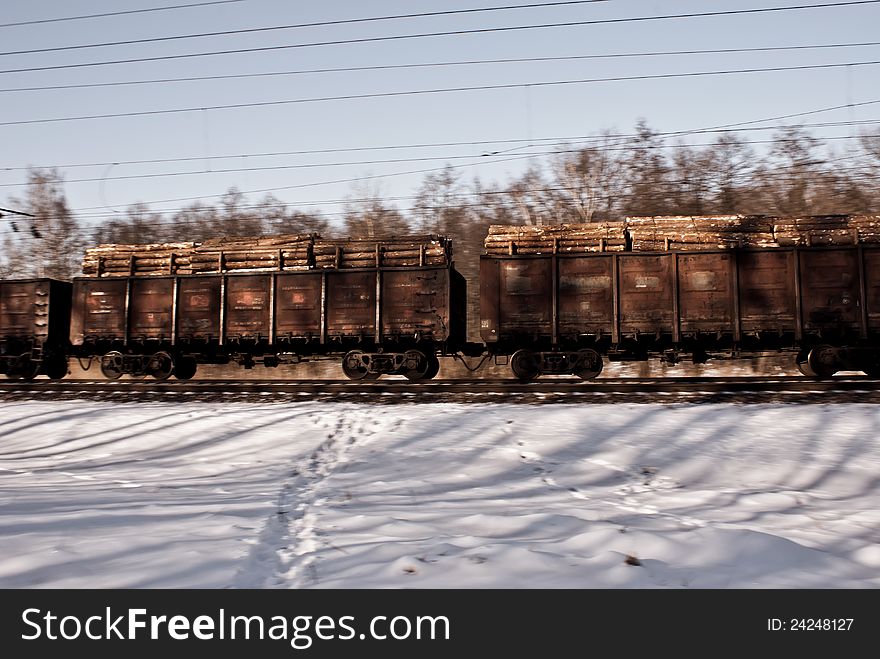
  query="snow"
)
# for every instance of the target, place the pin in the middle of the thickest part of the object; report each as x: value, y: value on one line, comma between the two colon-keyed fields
x: 345, y: 495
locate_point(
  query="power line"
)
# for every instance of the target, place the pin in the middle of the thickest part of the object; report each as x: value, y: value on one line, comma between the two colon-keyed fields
x: 295, y: 205
x: 666, y: 186
x: 117, y: 13
x: 388, y: 67
x: 310, y: 185
x: 346, y: 21
x: 523, y: 141
x: 399, y: 37
x: 9, y: 210
x: 483, y: 161
x: 388, y: 161
x: 750, y: 122
x: 438, y: 90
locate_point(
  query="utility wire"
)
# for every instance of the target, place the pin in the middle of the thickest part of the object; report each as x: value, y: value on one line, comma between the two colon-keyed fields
x: 296, y: 205
x: 117, y: 13
x: 388, y: 67
x: 389, y: 161
x: 399, y: 37
x: 617, y: 137
x: 272, y: 28
x: 484, y: 161
x: 750, y: 122
x: 667, y: 186
x: 438, y: 90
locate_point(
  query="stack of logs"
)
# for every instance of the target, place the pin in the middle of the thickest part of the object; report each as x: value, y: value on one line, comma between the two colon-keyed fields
x: 270, y: 253
x: 827, y: 230
x: 151, y: 259
x: 370, y: 253
x: 685, y: 233
x: 286, y: 252
x: 688, y: 233
x: 562, y: 238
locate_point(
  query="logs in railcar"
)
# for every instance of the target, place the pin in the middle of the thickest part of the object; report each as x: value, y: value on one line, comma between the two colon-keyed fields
x: 384, y: 306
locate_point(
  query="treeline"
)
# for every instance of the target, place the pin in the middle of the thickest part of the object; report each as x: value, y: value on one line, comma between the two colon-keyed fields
x: 644, y: 173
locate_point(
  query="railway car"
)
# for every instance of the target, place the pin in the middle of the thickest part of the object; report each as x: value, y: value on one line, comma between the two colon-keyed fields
x: 560, y: 313
x: 553, y: 300
x: 34, y: 322
x: 379, y: 319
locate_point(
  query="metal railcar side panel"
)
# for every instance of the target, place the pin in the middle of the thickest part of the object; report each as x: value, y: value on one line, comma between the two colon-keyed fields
x: 198, y: 308
x: 767, y: 290
x: 705, y: 292
x: 586, y: 295
x: 646, y: 293
x: 247, y: 306
x: 490, y: 312
x: 830, y: 289
x: 525, y: 296
x: 298, y: 304
x: 18, y: 310
x: 458, y: 310
x: 872, y: 288
x: 351, y: 303
x: 151, y: 301
x: 99, y: 310
x: 416, y: 303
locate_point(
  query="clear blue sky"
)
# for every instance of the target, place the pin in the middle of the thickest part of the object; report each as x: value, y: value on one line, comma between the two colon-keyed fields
x: 522, y: 112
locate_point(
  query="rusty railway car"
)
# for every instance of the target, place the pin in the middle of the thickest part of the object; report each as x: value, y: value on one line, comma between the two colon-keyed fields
x: 379, y: 320
x: 34, y: 322
x: 560, y: 313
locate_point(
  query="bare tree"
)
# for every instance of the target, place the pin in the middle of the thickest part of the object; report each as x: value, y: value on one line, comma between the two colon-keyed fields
x: 367, y: 215
x: 732, y: 165
x: 138, y: 225
x: 647, y: 173
x: 590, y: 180
x: 790, y: 171
x: 51, y: 245
x: 527, y: 194
x: 277, y: 218
x: 691, y: 175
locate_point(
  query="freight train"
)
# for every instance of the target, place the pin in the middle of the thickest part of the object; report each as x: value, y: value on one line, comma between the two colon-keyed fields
x: 551, y: 302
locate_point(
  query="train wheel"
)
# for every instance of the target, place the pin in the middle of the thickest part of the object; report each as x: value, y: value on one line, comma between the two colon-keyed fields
x: 111, y: 365
x: 160, y: 366
x: 803, y: 365
x: 525, y: 364
x: 354, y: 365
x: 55, y: 368
x: 26, y: 368
x: 433, y: 367
x: 823, y: 361
x: 185, y: 368
x: 588, y: 364
x: 415, y: 365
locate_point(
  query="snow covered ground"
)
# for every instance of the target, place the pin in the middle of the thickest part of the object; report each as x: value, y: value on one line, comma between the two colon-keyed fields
x: 346, y: 495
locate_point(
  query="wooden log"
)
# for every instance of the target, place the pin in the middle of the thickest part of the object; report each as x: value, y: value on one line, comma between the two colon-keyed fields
x: 245, y: 242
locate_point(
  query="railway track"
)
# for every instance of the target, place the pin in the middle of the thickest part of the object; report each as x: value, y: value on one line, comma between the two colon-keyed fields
x: 688, y: 389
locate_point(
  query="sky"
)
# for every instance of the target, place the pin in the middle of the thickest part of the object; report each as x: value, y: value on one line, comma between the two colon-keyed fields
x: 333, y: 149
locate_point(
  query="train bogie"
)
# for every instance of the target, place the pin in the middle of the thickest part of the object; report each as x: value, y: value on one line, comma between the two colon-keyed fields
x: 34, y: 324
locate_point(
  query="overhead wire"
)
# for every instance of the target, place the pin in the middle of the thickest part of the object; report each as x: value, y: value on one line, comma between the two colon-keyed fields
x: 602, y: 137
x: 436, y: 90
x: 482, y: 161
x: 434, y: 14
x: 422, y: 65
x: 399, y: 37
x: 386, y: 161
x: 149, y: 10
